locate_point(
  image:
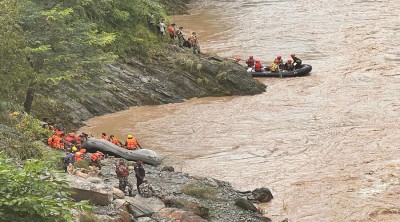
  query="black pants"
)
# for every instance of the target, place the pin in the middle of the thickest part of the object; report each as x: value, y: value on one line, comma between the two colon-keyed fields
x: 138, y: 182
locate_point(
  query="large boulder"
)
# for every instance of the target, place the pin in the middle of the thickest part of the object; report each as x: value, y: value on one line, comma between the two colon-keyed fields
x: 262, y: 195
x: 187, y: 205
x: 93, y: 190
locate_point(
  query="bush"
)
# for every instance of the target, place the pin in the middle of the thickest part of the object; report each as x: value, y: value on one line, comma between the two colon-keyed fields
x: 200, y: 191
x: 34, y: 192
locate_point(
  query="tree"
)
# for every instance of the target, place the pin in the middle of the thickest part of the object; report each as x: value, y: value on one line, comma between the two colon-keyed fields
x: 57, y: 42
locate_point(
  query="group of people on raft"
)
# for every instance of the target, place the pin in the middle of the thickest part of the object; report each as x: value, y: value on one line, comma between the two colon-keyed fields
x: 277, y: 65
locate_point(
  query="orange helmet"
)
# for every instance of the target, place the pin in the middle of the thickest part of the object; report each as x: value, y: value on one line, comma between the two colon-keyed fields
x: 292, y: 55
x: 279, y: 57
x: 289, y: 61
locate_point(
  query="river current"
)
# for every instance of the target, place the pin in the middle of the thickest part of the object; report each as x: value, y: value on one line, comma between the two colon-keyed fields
x: 327, y: 145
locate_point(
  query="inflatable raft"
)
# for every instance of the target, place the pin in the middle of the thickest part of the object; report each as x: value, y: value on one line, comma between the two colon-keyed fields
x: 147, y: 156
x: 304, y: 70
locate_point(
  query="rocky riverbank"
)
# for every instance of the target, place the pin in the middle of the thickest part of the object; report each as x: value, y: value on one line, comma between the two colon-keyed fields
x: 177, y: 196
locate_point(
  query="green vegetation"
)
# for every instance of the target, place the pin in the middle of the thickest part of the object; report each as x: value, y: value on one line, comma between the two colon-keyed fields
x: 202, y: 191
x: 34, y: 192
x: 48, y: 42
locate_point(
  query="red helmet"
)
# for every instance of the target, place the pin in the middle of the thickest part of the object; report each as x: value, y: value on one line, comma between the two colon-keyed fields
x: 292, y: 55
x: 279, y: 57
x: 276, y: 61
x: 289, y: 61
x: 257, y: 61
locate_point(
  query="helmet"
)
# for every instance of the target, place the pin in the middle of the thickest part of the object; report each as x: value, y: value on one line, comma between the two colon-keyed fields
x: 279, y: 57
x: 257, y: 61
x: 74, y: 149
x: 82, y: 151
x: 71, y: 134
x: 130, y: 136
x: 276, y: 61
x: 292, y: 55
x: 289, y: 61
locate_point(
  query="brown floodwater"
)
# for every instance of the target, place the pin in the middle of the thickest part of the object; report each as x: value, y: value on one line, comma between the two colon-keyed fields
x: 327, y: 145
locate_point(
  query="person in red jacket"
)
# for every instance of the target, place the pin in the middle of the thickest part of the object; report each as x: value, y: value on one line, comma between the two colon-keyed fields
x: 258, y: 66
x: 114, y: 140
x: 172, y: 31
x: 122, y: 172
x: 250, y: 61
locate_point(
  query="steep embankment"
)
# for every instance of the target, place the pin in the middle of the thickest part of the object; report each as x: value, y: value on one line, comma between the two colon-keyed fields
x: 172, y: 75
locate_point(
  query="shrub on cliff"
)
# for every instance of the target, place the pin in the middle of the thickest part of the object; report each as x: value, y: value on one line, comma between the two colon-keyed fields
x: 34, y: 192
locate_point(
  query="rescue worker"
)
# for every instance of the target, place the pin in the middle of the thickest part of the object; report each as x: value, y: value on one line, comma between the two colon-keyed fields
x: 179, y: 34
x: 258, y: 66
x: 250, y: 61
x: 171, y: 30
x: 83, y: 137
x: 195, y: 43
x: 140, y: 173
x: 104, y: 136
x: 131, y: 143
x: 114, y: 140
x: 96, y: 158
x: 68, y: 159
x: 280, y: 63
x: 289, y: 65
x: 122, y: 172
x: 296, y: 61
x: 274, y: 66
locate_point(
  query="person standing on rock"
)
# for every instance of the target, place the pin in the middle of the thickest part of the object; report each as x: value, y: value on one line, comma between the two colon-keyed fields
x: 122, y: 174
x: 139, y: 173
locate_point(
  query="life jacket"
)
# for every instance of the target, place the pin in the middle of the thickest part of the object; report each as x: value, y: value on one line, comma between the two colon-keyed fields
x: 97, y: 156
x: 131, y: 144
x: 257, y: 67
x: 104, y: 137
x: 170, y: 30
x: 56, y: 142
x: 115, y: 141
x: 122, y: 170
x: 59, y: 132
x: 250, y: 62
x: 78, y: 156
x: 50, y: 141
x: 273, y: 67
x: 70, y: 139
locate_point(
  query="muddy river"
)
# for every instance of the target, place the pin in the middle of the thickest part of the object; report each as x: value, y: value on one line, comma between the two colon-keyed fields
x: 327, y: 145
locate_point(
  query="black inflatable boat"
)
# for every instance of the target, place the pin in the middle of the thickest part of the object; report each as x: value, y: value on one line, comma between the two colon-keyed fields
x: 305, y: 69
x: 147, y: 156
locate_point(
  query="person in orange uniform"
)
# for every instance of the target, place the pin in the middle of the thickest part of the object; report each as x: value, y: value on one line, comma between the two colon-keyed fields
x: 96, y: 158
x: 114, y: 140
x: 131, y: 143
x: 104, y: 136
x: 56, y: 142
